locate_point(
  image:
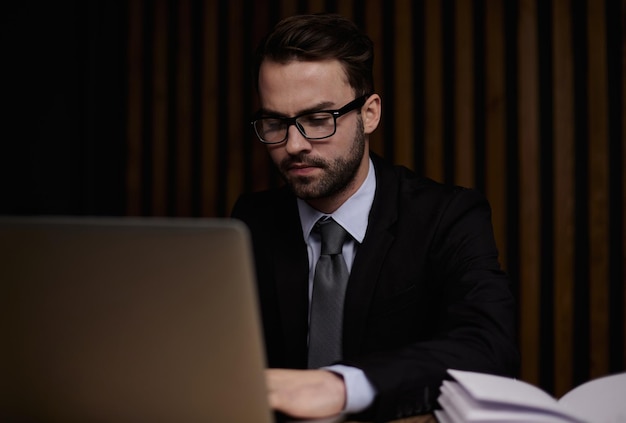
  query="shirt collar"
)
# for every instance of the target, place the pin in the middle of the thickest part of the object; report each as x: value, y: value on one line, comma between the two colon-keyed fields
x: 351, y: 215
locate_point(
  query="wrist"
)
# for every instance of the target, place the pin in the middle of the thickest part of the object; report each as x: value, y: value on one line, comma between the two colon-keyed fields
x: 336, y: 384
x: 359, y: 392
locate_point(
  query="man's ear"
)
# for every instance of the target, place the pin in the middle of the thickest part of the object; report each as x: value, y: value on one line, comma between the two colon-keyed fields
x: 370, y: 113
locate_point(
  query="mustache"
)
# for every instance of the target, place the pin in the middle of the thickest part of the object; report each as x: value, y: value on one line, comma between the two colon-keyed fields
x: 302, y: 159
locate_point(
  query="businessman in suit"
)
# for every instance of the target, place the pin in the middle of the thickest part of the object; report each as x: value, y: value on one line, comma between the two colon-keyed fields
x: 424, y: 291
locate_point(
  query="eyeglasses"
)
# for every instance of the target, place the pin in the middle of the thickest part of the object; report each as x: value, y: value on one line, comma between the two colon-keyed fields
x: 312, y: 125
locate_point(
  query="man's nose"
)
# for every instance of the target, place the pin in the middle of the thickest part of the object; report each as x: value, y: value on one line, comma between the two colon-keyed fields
x: 296, y: 142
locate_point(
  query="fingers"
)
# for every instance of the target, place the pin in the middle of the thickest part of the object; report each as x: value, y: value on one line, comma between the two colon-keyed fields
x: 305, y: 393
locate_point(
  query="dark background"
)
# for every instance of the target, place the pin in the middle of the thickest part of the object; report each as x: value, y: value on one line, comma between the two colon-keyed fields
x: 64, y: 95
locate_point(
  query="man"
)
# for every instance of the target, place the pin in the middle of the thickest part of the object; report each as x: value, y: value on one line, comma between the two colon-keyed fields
x: 425, y: 291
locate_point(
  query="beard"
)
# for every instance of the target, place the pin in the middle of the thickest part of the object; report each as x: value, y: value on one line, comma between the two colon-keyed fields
x: 337, y: 174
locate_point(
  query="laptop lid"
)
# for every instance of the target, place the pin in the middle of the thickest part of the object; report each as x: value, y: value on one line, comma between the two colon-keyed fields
x: 129, y: 320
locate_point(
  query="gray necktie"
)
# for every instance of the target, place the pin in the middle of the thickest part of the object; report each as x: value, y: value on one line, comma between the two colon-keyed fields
x: 329, y: 287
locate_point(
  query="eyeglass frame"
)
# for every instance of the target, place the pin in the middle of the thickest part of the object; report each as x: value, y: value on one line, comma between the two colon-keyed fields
x: 353, y: 105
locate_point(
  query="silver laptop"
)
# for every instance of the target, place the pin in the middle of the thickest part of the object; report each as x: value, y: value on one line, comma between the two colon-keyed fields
x: 129, y: 320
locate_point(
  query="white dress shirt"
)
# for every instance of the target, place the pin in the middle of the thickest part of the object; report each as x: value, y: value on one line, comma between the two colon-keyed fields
x: 352, y: 216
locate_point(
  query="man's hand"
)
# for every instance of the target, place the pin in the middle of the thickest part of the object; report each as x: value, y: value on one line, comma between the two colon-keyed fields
x: 306, y: 393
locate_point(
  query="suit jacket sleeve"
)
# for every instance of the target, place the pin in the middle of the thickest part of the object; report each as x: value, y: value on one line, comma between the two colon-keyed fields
x: 440, y: 300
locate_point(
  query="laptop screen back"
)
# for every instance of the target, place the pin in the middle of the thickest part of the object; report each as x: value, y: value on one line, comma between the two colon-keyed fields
x: 129, y: 320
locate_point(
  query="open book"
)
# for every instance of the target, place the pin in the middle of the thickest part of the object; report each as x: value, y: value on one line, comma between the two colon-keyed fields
x: 481, y: 398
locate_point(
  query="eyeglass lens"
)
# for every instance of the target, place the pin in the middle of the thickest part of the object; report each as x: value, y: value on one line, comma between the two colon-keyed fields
x: 312, y: 125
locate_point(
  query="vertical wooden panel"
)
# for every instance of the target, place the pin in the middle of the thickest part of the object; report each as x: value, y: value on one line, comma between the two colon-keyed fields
x: 374, y: 29
x: 135, y: 110
x: 433, y: 88
x: 236, y: 136
x: 403, y: 86
x: 160, y: 110
x: 261, y: 162
x: 564, y: 195
x: 346, y: 8
x: 315, y: 6
x: 495, y: 115
x: 598, y: 188
x: 210, y: 122
x: 530, y: 259
x: 183, y: 111
x: 288, y: 8
x: 464, y: 93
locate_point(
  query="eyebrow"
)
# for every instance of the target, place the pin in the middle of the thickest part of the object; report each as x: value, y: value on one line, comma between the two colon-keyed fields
x: 324, y: 105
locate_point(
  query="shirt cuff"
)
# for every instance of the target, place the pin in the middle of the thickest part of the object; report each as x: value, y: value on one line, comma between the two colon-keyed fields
x: 359, y: 391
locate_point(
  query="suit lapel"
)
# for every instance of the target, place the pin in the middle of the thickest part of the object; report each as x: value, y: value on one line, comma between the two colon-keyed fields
x: 370, y: 257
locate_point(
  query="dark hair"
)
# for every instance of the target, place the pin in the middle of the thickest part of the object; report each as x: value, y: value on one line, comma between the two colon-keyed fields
x: 321, y: 37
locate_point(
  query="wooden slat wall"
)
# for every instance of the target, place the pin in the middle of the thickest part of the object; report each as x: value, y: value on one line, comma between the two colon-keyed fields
x: 523, y: 100
x: 529, y: 189
x: 563, y: 214
x: 598, y: 187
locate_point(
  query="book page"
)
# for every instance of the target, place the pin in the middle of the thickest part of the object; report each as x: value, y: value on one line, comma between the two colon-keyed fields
x: 461, y: 407
x: 513, y: 393
x: 601, y: 400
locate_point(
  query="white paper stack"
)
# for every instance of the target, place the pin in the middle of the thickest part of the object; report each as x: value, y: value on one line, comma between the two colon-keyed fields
x: 482, y: 398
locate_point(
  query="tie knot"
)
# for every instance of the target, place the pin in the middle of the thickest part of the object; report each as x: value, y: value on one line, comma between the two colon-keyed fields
x: 333, y: 236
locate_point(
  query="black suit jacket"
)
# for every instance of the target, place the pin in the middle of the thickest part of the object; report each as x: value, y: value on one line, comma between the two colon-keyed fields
x: 426, y: 292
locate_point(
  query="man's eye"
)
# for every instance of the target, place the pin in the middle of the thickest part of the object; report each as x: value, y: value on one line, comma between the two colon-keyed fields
x: 322, y: 119
x: 273, y: 124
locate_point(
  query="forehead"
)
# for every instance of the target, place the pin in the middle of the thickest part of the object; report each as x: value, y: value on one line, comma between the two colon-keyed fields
x: 296, y: 85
